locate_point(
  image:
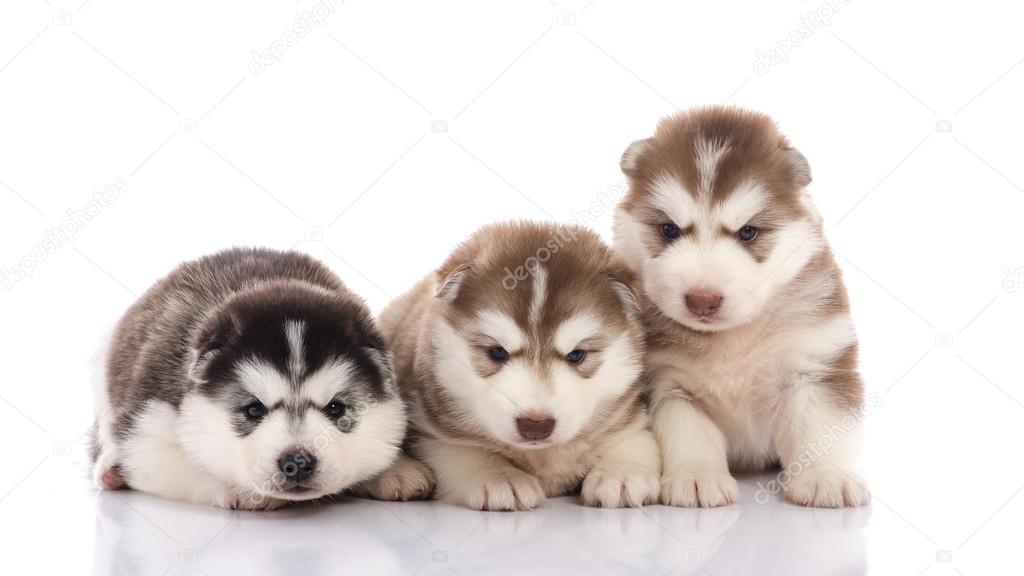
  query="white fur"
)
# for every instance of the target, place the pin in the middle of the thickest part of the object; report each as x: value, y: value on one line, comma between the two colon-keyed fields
x: 761, y: 398
x: 155, y: 461
x: 264, y: 381
x: 540, y: 295
x: 624, y: 467
x: 743, y: 204
x: 195, y: 454
x: 326, y: 382
x: 628, y: 472
x: 521, y: 387
x: 669, y: 196
x: 205, y: 432
x: 479, y: 479
x: 709, y: 153
x: 501, y: 329
x: 575, y: 330
x: 710, y: 260
x: 294, y: 331
x: 106, y: 445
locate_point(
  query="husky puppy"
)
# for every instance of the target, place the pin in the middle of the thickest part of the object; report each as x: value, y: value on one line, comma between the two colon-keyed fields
x: 244, y: 380
x: 520, y: 360
x: 752, y: 353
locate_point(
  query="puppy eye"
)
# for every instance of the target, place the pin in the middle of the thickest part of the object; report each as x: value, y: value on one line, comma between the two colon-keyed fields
x: 255, y: 411
x: 497, y: 353
x: 576, y: 356
x: 747, y: 233
x: 335, y: 409
x: 670, y: 231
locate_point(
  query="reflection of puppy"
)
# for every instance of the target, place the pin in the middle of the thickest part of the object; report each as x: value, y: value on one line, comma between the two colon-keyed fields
x: 752, y: 354
x: 520, y: 359
x: 245, y: 379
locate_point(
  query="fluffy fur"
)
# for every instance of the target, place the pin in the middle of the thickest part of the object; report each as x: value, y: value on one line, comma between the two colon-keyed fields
x: 752, y: 352
x: 502, y: 431
x: 246, y: 379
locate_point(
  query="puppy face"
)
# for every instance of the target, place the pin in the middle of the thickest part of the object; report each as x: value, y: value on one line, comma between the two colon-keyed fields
x: 715, y: 221
x: 293, y: 396
x: 534, y: 333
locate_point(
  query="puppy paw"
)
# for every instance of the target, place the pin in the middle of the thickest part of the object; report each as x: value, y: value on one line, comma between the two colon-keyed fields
x: 825, y: 488
x: 106, y: 474
x: 407, y: 479
x: 703, y: 489
x: 619, y: 488
x: 506, y: 490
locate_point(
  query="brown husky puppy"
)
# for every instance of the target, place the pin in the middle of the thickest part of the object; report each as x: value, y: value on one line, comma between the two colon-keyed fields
x: 520, y: 359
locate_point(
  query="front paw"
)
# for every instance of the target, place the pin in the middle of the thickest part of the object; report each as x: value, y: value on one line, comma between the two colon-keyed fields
x: 825, y: 488
x: 704, y: 489
x: 506, y: 490
x: 407, y: 479
x: 619, y: 489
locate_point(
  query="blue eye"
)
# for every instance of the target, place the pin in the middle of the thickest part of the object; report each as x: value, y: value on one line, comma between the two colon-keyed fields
x: 670, y: 231
x: 255, y: 411
x: 335, y: 409
x: 747, y: 233
x: 497, y: 353
x: 576, y: 356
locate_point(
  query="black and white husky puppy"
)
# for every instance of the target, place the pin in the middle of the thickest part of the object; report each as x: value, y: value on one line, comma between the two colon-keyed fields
x: 246, y: 379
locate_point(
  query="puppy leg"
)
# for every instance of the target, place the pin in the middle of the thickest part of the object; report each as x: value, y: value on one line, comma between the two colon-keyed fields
x: 694, y: 461
x: 478, y: 479
x: 817, y: 442
x: 628, y: 472
x: 406, y: 479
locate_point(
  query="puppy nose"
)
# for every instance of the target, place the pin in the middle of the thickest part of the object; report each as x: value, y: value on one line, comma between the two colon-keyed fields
x: 703, y: 302
x: 535, y: 427
x: 297, y: 466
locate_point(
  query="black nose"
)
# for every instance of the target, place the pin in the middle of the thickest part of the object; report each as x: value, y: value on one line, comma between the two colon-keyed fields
x: 297, y: 466
x: 535, y: 427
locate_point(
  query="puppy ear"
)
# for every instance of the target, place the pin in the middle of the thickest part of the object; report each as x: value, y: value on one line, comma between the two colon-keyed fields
x: 449, y: 289
x: 218, y: 332
x: 627, y: 296
x: 631, y: 157
x: 798, y: 166
x: 382, y: 359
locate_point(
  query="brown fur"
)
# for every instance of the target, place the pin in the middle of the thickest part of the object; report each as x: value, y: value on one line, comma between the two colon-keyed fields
x: 582, y: 274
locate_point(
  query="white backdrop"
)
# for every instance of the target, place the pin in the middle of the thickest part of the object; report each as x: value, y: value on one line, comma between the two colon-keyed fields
x: 376, y: 135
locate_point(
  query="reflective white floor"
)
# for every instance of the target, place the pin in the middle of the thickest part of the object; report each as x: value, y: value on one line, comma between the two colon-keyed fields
x: 64, y: 528
x: 138, y: 534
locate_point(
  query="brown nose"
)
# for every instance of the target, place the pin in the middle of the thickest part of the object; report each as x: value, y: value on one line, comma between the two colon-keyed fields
x: 703, y: 302
x: 535, y: 427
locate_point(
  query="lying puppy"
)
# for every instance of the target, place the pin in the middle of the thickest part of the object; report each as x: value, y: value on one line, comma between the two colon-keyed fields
x: 752, y: 352
x: 520, y: 359
x: 244, y: 380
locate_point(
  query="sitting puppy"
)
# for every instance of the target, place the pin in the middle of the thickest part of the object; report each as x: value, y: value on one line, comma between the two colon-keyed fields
x: 244, y: 380
x: 752, y: 353
x: 520, y: 359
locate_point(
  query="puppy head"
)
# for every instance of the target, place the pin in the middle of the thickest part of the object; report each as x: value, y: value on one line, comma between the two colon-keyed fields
x: 716, y: 221
x: 534, y: 333
x: 292, y: 394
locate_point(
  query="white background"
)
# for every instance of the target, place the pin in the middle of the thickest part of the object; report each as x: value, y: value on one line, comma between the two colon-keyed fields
x: 909, y: 114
